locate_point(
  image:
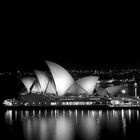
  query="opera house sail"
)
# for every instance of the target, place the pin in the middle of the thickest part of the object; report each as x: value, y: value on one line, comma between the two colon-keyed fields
x: 62, y: 79
x: 28, y: 82
x: 43, y: 80
x: 58, y: 89
x: 88, y: 83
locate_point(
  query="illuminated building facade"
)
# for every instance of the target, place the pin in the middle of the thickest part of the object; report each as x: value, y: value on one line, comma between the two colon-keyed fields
x: 60, y: 89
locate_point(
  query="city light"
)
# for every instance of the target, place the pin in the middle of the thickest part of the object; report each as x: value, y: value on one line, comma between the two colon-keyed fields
x: 59, y: 88
x: 123, y: 91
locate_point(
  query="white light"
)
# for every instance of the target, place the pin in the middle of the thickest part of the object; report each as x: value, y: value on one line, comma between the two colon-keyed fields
x: 116, y: 102
x: 8, y: 103
x: 123, y: 91
x: 53, y: 103
x: 26, y: 104
x: 135, y: 84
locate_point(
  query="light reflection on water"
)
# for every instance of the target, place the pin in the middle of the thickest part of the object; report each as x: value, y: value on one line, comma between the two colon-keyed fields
x: 72, y: 124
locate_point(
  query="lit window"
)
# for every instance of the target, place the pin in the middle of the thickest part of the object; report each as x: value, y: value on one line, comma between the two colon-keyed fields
x: 53, y: 103
x: 76, y: 103
x: 26, y: 104
x: 123, y: 91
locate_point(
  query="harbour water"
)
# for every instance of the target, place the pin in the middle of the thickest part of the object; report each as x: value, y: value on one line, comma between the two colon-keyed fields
x: 70, y: 124
x: 122, y: 124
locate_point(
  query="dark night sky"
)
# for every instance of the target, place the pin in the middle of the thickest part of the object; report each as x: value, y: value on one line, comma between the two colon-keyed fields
x: 71, y: 39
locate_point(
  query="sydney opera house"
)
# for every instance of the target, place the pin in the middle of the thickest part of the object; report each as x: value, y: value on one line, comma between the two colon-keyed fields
x: 58, y: 88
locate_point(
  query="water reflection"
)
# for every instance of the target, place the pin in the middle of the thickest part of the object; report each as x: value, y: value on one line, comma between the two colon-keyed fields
x: 8, y: 117
x: 71, y: 124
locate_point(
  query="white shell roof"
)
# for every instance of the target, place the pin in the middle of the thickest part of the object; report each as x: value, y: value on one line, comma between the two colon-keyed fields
x: 88, y: 83
x: 50, y: 88
x: 28, y: 82
x: 43, y: 79
x: 36, y: 87
x: 113, y: 90
x: 100, y: 90
x: 76, y: 89
x: 62, y: 78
